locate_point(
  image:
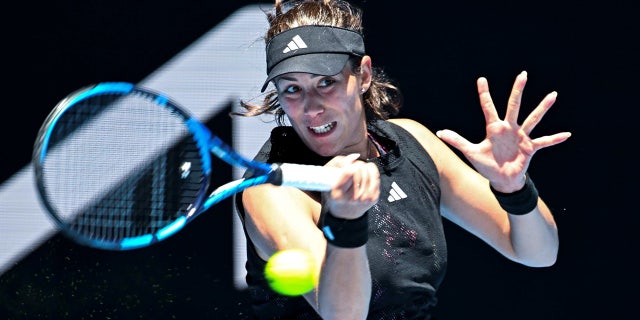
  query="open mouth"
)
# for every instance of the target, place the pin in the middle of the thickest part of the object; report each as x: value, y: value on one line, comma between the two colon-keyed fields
x: 323, y: 128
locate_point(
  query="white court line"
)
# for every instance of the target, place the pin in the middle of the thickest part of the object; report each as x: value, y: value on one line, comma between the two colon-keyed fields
x: 223, y: 66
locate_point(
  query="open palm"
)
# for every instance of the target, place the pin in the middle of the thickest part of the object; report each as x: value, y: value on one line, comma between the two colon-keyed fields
x: 504, y: 155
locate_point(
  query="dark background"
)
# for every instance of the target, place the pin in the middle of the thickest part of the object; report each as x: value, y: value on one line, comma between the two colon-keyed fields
x: 435, y: 51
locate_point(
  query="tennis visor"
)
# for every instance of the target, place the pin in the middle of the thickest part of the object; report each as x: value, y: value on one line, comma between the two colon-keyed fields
x: 322, y: 50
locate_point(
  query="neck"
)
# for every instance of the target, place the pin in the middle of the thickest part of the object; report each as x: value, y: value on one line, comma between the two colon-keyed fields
x: 372, y: 151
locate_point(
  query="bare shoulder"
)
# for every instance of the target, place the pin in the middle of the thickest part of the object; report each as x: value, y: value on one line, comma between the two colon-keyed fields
x: 407, y: 123
x: 425, y: 136
x: 442, y: 155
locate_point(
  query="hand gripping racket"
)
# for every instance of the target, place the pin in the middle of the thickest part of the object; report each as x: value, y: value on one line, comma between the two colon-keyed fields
x: 120, y: 167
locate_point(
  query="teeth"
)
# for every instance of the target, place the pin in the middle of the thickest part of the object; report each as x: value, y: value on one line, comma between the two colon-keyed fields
x: 323, y: 128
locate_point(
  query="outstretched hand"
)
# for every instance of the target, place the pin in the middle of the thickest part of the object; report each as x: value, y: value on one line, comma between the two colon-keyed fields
x: 504, y: 155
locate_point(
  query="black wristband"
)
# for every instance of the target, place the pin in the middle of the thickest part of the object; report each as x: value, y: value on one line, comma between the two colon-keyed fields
x: 520, y: 202
x: 346, y: 233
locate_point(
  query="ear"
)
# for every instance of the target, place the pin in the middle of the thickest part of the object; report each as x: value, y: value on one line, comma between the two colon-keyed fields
x: 366, y: 74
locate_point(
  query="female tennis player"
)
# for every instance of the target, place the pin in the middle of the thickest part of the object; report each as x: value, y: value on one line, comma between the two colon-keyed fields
x: 378, y: 233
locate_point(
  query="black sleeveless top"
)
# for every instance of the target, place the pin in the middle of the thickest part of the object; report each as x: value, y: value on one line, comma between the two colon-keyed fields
x: 406, y: 248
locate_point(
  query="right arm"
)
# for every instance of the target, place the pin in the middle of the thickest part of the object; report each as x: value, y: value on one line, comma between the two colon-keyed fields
x: 279, y: 218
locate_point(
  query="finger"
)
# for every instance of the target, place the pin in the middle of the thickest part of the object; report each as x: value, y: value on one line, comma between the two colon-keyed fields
x: 374, y: 185
x: 550, y: 140
x: 353, y: 178
x: 344, y: 188
x: 361, y: 181
x: 453, y: 139
x: 513, y: 107
x: 536, y: 115
x: 488, y: 108
x: 370, y: 188
x: 341, y: 161
x: 352, y: 157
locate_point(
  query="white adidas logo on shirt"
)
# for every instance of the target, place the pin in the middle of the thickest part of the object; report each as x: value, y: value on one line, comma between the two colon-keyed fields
x: 396, y: 193
x: 295, y: 44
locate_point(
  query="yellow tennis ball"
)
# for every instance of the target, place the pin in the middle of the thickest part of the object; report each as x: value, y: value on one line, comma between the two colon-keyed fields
x: 291, y: 272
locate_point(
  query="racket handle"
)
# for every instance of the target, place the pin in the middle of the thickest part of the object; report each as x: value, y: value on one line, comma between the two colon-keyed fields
x: 306, y: 177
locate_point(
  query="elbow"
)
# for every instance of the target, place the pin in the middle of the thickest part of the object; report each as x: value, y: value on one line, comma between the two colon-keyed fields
x: 548, y: 259
x: 345, y: 311
x: 543, y: 263
x: 541, y: 259
x: 538, y: 250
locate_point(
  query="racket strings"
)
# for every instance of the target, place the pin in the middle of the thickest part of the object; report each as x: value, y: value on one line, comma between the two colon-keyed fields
x: 120, y: 167
x: 137, y: 207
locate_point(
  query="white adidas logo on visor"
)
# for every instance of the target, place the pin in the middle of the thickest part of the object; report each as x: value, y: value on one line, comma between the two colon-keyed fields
x: 396, y: 193
x: 295, y: 44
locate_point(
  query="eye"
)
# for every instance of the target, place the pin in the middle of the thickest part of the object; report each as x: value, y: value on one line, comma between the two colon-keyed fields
x: 325, y: 82
x: 290, y: 89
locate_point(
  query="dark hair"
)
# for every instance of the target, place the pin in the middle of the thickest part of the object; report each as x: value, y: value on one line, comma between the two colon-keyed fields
x: 382, y: 100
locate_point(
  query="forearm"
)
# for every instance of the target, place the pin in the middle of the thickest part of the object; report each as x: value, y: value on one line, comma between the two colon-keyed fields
x: 534, y: 237
x: 533, y: 232
x: 345, y: 283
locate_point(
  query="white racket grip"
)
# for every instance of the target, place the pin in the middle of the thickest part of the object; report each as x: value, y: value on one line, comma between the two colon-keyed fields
x: 309, y: 177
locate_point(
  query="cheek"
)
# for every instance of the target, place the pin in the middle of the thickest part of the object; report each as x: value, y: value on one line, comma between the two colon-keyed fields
x: 292, y: 110
x: 286, y: 106
x: 351, y: 103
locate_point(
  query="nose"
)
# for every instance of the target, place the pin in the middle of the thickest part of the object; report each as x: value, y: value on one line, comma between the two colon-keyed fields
x: 313, y: 105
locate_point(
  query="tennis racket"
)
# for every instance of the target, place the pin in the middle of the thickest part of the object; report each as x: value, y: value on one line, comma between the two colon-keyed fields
x: 119, y: 167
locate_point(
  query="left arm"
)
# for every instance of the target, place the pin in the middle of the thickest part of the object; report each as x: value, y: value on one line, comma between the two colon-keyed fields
x: 501, y: 160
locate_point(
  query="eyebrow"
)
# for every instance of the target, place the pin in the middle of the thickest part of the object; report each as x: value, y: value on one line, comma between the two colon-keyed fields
x: 285, y: 77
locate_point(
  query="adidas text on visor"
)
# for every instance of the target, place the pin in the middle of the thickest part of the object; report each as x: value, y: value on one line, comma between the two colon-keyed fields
x: 322, y: 50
